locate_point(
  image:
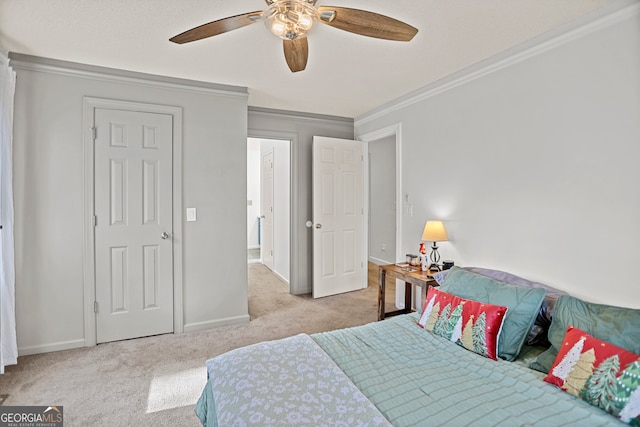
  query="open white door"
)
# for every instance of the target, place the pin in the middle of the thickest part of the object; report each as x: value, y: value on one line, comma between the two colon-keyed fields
x: 339, y: 255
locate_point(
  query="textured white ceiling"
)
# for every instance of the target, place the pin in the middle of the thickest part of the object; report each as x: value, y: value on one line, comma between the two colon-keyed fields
x: 347, y: 74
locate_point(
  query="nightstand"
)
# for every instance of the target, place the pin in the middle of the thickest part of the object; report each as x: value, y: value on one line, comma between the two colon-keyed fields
x: 411, y: 275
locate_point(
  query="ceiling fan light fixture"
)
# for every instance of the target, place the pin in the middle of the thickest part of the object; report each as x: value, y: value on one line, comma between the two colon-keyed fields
x: 305, y: 22
x: 290, y: 19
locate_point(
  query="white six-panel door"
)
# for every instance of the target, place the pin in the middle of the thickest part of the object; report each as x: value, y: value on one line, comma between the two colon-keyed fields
x: 133, y: 229
x: 339, y: 258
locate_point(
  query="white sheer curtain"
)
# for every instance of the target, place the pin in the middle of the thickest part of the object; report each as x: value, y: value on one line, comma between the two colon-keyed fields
x: 8, y: 342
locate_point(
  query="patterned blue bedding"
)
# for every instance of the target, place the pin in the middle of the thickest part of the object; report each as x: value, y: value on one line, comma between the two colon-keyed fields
x: 285, y: 382
x: 412, y: 377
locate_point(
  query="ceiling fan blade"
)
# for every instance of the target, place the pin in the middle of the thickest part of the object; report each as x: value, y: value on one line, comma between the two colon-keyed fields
x: 366, y: 23
x: 217, y: 27
x: 296, y: 52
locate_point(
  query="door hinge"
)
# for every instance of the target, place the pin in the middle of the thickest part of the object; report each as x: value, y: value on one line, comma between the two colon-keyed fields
x: 95, y: 220
x: 95, y: 307
x: 94, y: 133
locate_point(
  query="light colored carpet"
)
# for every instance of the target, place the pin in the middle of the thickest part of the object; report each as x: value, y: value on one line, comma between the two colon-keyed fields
x: 157, y: 380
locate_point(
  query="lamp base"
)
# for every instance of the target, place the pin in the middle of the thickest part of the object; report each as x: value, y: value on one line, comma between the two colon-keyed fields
x: 434, y: 257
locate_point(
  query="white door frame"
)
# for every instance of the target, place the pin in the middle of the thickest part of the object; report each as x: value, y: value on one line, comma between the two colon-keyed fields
x: 294, y: 258
x: 267, y: 260
x: 396, y: 131
x: 89, y: 106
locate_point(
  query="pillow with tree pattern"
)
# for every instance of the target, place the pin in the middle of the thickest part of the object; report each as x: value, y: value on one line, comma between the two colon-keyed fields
x: 599, y: 373
x: 474, y: 325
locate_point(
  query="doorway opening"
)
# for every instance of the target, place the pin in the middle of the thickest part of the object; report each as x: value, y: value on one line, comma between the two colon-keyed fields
x: 384, y: 203
x: 269, y: 204
x: 382, y: 200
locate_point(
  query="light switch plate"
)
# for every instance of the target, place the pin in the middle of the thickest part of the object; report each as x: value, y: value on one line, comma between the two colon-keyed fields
x: 191, y: 214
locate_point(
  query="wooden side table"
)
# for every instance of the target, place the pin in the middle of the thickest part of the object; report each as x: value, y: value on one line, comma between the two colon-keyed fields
x: 411, y: 275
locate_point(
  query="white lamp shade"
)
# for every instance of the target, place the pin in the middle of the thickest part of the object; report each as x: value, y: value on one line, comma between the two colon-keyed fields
x: 434, y: 231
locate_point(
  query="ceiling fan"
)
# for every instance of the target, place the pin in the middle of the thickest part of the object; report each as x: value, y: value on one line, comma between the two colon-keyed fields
x: 291, y: 20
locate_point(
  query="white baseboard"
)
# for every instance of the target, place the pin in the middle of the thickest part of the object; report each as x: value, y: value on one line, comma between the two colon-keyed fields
x: 69, y: 345
x: 379, y: 261
x: 280, y: 277
x: 302, y: 291
x: 201, y: 326
x: 48, y: 348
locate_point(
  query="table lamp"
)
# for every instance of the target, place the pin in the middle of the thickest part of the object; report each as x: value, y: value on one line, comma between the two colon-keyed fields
x: 434, y: 231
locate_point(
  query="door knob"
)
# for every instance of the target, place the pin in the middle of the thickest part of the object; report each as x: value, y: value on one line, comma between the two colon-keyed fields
x: 318, y: 225
x: 164, y: 235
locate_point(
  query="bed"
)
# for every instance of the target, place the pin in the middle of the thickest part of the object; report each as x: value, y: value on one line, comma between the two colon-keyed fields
x: 412, y: 370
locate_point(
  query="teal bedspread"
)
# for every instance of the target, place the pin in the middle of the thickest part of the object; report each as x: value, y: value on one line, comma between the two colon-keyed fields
x: 417, y: 379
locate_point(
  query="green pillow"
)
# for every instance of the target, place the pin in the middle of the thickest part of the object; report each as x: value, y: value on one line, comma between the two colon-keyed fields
x: 616, y: 325
x: 522, y: 305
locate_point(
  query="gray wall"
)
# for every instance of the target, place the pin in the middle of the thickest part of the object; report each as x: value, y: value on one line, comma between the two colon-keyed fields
x: 299, y: 128
x: 48, y: 179
x: 533, y: 160
x: 48, y: 175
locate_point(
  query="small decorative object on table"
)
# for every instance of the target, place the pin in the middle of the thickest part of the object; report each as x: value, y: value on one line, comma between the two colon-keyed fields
x: 424, y: 261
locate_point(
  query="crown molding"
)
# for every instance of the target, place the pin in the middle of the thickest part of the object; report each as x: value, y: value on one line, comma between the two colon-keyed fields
x: 297, y: 115
x: 54, y: 66
x: 607, y: 17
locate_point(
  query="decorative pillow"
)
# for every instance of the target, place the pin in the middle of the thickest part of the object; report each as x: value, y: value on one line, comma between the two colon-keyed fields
x: 617, y: 325
x: 599, y: 373
x: 540, y: 329
x: 473, y: 325
x: 523, y: 304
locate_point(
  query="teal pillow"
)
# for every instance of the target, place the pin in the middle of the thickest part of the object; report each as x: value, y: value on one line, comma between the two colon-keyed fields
x: 616, y: 325
x: 522, y: 305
